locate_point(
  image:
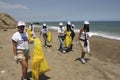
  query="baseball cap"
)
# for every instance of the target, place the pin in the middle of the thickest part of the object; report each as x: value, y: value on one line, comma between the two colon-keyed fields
x: 86, y: 22
x: 69, y: 23
x: 60, y: 24
x: 73, y: 26
x: 44, y: 24
x: 21, y: 23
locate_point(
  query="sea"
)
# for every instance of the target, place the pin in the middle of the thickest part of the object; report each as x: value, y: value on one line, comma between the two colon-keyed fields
x: 105, y: 29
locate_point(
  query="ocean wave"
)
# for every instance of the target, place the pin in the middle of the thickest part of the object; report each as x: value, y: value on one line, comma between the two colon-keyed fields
x: 106, y: 35
x: 94, y: 33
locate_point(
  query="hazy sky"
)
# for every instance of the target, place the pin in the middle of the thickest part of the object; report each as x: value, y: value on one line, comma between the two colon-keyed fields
x: 62, y: 10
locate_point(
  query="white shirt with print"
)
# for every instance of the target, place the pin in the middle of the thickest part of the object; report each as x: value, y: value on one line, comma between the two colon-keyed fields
x: 21, y: 44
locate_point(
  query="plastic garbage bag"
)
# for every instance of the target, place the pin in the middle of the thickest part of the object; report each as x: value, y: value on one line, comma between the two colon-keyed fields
x: 30, y: 36
x: 68, y: 39
x: 39, y: 63
x: 49, y: 36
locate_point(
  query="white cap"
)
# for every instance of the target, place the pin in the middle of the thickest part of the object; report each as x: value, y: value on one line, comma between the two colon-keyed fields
x: 73, y: 26
x: 86, y: 22
x: 44, y: 24
x: 21, y: 23
x: 69, y: 23
x: 60, y: 24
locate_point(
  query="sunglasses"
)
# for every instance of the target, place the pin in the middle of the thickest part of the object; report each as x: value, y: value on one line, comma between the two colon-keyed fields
x: 22, y: 26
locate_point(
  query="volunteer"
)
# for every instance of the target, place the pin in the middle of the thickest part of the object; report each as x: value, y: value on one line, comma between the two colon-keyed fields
x: 32, y: 27
x: 43, y: 32
x: 61, y: 37
x: 83, y: 40
x: 20, y: 48
x: 69, y: 29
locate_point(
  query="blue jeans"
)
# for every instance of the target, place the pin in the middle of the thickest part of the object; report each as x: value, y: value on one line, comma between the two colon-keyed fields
x: 45, y: 39
x: 61, y: 40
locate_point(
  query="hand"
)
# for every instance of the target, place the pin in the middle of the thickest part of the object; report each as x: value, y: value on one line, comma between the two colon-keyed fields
x: 16, y: 59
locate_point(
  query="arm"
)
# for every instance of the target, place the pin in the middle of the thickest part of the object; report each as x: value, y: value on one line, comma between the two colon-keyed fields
x: 81, y: 30
x: 15, y: 50
x: 40, y: 32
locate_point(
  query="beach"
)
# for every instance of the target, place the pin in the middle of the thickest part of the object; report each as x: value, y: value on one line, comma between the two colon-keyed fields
x: 103, y: 64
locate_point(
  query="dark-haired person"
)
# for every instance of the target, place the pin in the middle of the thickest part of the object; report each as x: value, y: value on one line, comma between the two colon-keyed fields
x: 83, y: 39
x: 70, y: 29
x: 43, y: 32
x: 20, y: 48
x: 32, y: 27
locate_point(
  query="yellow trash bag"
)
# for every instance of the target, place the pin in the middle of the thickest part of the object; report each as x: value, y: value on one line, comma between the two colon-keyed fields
x: 43, y: 67
x: 30, y: 36
x: 35, y: 69
x: 49, y: 36
x: 39, y: 64
x: 68, y: 39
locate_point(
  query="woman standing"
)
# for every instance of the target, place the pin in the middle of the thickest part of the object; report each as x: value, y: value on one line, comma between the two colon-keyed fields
x: 61, y: 37
x: 43, y: 32
x: 20, y: 48
x: 84, y: 42
x: 69, y: 29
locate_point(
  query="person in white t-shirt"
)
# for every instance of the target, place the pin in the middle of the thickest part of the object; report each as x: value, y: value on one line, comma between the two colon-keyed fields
x: 61, y: 37
x: 32, y: 27
x: 20, y: 48
x: 43, y: 32
x: 84, y: 41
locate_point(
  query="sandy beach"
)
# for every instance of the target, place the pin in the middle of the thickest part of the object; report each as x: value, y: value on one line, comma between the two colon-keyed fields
x: 104, y: 64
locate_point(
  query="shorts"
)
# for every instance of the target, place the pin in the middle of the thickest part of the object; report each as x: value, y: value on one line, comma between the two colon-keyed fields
x: 21, y: 55
x: 82, y: 46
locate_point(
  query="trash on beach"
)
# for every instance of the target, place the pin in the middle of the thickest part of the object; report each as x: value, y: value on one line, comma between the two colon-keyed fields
x: 2, y: 71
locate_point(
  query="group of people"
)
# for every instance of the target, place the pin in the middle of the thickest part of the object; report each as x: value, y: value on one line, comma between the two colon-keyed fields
x: 20, y: 42
x: 62, y: 34
x: 83, y: 37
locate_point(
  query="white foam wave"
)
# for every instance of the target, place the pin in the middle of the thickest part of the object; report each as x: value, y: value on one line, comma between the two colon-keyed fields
x: 106, y: 35
x: 100, y: 34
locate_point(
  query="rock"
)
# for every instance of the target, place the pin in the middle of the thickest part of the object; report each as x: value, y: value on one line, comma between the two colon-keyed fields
x: 7, y: 22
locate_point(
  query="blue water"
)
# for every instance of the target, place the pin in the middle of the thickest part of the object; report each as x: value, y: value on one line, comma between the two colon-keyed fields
x: 106, y: 29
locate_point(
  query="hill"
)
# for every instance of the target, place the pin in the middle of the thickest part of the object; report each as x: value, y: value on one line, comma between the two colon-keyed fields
x: 6, y: 21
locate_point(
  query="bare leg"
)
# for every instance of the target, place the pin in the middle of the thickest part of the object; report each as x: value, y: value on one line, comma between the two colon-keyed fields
x: 24, y: 64
x: 83, y: 55
x: 82, y: 58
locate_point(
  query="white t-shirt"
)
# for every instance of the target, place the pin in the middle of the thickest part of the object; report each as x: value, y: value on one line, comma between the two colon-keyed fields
x: 44, y: 31
x: 83, y: 35
x: 32, y: 27
x: 21, y: 39
x: 61, y: 31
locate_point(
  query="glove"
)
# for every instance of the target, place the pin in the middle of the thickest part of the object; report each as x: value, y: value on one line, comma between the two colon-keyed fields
x: 16, y: 59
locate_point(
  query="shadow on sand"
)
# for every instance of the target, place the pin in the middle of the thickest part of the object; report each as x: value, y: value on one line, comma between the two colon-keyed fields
x: 41, y: 77
x: 79, y: 59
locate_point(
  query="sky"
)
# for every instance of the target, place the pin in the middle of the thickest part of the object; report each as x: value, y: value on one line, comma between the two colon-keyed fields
x: 62, y: 10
